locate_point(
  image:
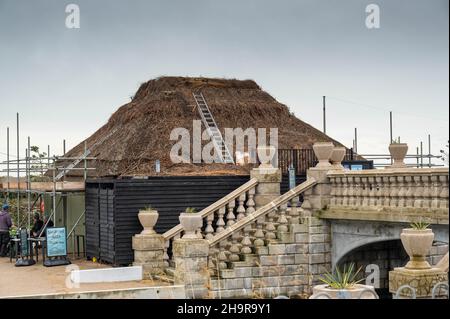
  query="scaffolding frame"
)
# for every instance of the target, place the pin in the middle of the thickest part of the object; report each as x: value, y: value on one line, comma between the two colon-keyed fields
x: 29, y: 165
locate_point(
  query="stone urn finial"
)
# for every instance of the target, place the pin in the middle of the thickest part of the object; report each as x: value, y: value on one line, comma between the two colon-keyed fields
x: 417, y: 244
x: 266, y: 154
x: 148, y: 218
x: 337, y: 156
x: 323, y: 152
x: 191, y: 221
x: 398, y: 152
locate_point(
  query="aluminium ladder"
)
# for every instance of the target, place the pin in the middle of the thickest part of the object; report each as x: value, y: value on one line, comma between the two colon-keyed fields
x: 212, y: 129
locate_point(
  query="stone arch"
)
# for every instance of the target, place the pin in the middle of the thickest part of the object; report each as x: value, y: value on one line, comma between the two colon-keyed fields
x: 377, y: 256
x: 349, y: 235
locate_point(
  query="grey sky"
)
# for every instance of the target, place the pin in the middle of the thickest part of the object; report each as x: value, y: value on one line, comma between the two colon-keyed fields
x: 67, y: 82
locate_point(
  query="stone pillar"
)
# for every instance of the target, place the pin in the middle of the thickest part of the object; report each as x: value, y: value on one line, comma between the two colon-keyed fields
x: 421, y: 279
x: 317, y: 231
x: 191, y: 266
x: 268, y: 187
x: 149, y: 253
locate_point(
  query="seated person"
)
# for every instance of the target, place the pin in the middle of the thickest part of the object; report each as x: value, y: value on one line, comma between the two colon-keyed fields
x: 48, y: 223
x: 37, y: 226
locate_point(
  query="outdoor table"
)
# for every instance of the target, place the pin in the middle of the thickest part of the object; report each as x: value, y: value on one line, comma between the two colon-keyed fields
x: 37, y: 241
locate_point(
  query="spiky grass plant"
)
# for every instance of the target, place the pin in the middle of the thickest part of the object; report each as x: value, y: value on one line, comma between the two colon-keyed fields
x: 190, y: 210
x: 420, y: 225
x: 342, y: 279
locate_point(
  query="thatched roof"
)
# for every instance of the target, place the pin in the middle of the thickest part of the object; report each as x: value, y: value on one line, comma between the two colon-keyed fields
x: 142, y: 127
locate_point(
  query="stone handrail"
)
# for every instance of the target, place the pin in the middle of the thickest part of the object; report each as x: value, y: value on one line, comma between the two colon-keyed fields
x: 270, y: 219
x: 403, y: 188
x: 225, y: 211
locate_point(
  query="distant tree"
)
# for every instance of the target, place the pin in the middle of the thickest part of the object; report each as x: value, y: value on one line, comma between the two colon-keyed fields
x: 37, y: 159
x: 445, y: 155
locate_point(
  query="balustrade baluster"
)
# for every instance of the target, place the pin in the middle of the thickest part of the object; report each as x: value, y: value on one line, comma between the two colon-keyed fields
x: 241, y: 209
x: 379, y: 191
x: 443, y: 203
x: 234, y: 248
x: 426, y: 201
x: 401, y: 191
x: 270, y: 226
x: 365, y: 191
x: 418, y: 194
x: 333, y: 191
x: 259, y: 233
x: 220, y: 221
x: 294, y: 213
x: 230, y: 216
x: 246, y: 242
x: 209, y: 229
x: 409, y: 200
x: 282, y: 220
x: 250, y: 202
x: 435, y: 191
x: 345, y: 191
x: 222, y: 258
x: 372, y: 191
x: 357, y: 192
x: 351, y: 191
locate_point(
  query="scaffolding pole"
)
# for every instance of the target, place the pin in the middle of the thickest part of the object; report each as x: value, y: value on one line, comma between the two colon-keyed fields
x: 29, y: 182
x: 7, y: 166
x: 18, y: 171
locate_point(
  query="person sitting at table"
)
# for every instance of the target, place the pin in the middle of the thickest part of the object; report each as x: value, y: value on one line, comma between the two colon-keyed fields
x: 37, y: 226
x: 48, y: 223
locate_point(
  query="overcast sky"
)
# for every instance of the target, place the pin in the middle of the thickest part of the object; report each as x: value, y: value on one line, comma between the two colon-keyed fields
x: 67, y: 82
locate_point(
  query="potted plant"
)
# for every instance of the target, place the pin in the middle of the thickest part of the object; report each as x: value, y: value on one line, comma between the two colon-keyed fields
x: 417, y: 241
x: 398, y: 152
x: 337, y: 156
x: 191, y: 221
x: 343, y: 285
x: 148, y: 218
x: 323, y: 151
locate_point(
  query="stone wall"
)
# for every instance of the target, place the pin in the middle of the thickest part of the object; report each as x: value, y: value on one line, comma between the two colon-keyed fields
x: 287, y: 267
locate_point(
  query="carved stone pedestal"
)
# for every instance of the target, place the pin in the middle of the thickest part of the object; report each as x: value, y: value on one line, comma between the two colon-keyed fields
x: 149, y: 253
x: 422, y: 280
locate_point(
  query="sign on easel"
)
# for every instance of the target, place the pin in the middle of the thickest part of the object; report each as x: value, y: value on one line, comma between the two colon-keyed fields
x: 56, y: 246
x: 24, y: 251
x: 56, y: 242
x: 25, y: 248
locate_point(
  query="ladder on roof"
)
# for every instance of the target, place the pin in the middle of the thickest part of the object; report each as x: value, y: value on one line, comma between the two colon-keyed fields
x: 82, y: 157
x: 212, y: 129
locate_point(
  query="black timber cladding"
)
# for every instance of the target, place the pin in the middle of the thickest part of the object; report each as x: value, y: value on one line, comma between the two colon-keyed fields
x: 112, y: 207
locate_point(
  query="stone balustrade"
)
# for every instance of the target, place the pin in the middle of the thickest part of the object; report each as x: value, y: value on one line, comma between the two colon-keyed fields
x: 257, y: 229
x: 402, y: 190
x: 219, y: 215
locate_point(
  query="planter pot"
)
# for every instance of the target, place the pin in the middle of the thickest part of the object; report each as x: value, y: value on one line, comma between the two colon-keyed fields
x: 323, y: 151
x: 337, y: 156
x: 191, y: 223
x: 148, y: 219
x: 266, y: 155
x: 398, y: 152
x: 357, y: 292
x: 417, y: 244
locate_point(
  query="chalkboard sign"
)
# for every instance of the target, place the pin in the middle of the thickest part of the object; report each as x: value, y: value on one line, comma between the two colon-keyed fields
x: 56, y: 242
x: 23, y: 242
